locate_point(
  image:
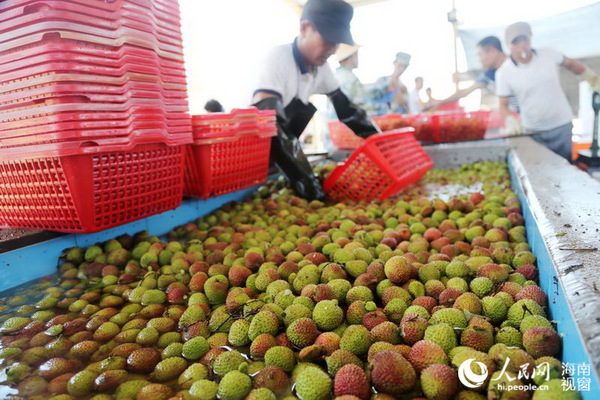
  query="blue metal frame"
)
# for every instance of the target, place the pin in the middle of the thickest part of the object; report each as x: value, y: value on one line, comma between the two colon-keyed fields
x: 573, y: 347
x: 39, y: 260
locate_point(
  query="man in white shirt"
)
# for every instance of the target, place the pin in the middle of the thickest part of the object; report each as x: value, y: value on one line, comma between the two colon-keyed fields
x: 415, y: 104
x: 293, y: 72
x: 532, y: 76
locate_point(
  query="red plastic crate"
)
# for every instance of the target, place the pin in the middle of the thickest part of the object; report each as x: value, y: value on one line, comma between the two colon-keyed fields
x: 130, y: 97
x: 54, y: 124
x: 222, y: 165
x: 425, y: 130
x: 76, y: 146
x: 90, y: 34
x: 456, y: 127
x: 167, y: 7
x: 91, y: 192
x: 446, y: 127
x: 111, y: 93
x: 50, y: 78
x: 51, y: 43
x: 131, y: 62
x: 9, y: 42
x: 137, y: 18
x: 148, y: 130
x: 104, y: 73
x: 382, y: 166
x: 228, y: 124
x: 68, y: 104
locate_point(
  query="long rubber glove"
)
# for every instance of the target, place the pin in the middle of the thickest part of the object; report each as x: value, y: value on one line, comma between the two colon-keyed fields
x: 350, y: 114
x: 287, y: 154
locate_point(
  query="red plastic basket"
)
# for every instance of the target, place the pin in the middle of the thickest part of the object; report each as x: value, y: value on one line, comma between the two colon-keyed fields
x: 77, y: 146
x: 51, y: 43
x: 382, y: 166
x: 455, y: 127
x: 165, y: 8
x: 11, y: 42
x: 446, y: 127
x: 131, y: 62
x: 228, y: 124
x: 91, y: 192
x: 222, y: 165
x: 137, y: 18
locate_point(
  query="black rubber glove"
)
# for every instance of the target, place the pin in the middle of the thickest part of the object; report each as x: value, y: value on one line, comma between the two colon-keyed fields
x: 287, y: 154
x: 350, y: 114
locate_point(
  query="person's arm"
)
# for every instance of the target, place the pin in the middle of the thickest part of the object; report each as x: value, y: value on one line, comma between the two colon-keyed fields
x: 459, y: 94
x: 583, y: 72
x: 350, y: 114
x: 462, y: 93
x: 504, y: 107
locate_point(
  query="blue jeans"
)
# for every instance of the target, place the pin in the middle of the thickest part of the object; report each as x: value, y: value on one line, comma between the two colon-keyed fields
x: 558, y: 140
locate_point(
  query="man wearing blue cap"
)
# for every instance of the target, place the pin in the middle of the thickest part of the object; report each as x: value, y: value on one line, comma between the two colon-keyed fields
x: 293, y: 72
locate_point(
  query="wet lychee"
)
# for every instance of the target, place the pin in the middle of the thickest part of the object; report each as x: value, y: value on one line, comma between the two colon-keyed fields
x: 351, y: 380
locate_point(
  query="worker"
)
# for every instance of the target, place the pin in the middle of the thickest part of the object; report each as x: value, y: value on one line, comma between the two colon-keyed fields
x: 293, y: 72
x: 350, y: 85
x: 213, y: 106
x: 389, y: 92
x: 491, y: 57
x: 532, y: 75
x: 415, y: 103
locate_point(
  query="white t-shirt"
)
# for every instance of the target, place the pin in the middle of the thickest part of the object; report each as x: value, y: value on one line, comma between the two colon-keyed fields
x: 415, y: 104
x: 282, y: 73
x: 536, y: 86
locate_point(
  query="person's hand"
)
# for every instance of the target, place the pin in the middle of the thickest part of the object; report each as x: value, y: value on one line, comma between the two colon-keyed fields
x: 595, y: 83
x: 432, y: 105
x: 513, y: 126
x: 592, y: 78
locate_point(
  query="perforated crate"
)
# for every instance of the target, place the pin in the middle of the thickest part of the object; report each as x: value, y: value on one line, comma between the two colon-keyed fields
x: 90, y: 192
x: 382, y: 166
x: 230, y: 151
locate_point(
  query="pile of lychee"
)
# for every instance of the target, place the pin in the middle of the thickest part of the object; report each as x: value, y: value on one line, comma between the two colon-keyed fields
x: 279, y: 298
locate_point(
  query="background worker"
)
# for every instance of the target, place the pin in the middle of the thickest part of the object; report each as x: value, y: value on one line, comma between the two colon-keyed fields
x: 213, y: 106
x: 491, y: 57
x: 293, y: 72
x: 350, y: 85
x: 415, y: 103
x: 390, y: 93
x: 532, y: 75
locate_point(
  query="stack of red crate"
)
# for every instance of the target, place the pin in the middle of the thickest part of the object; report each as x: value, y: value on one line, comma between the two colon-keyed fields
x: 93, y: 112
x: 230, y: 152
